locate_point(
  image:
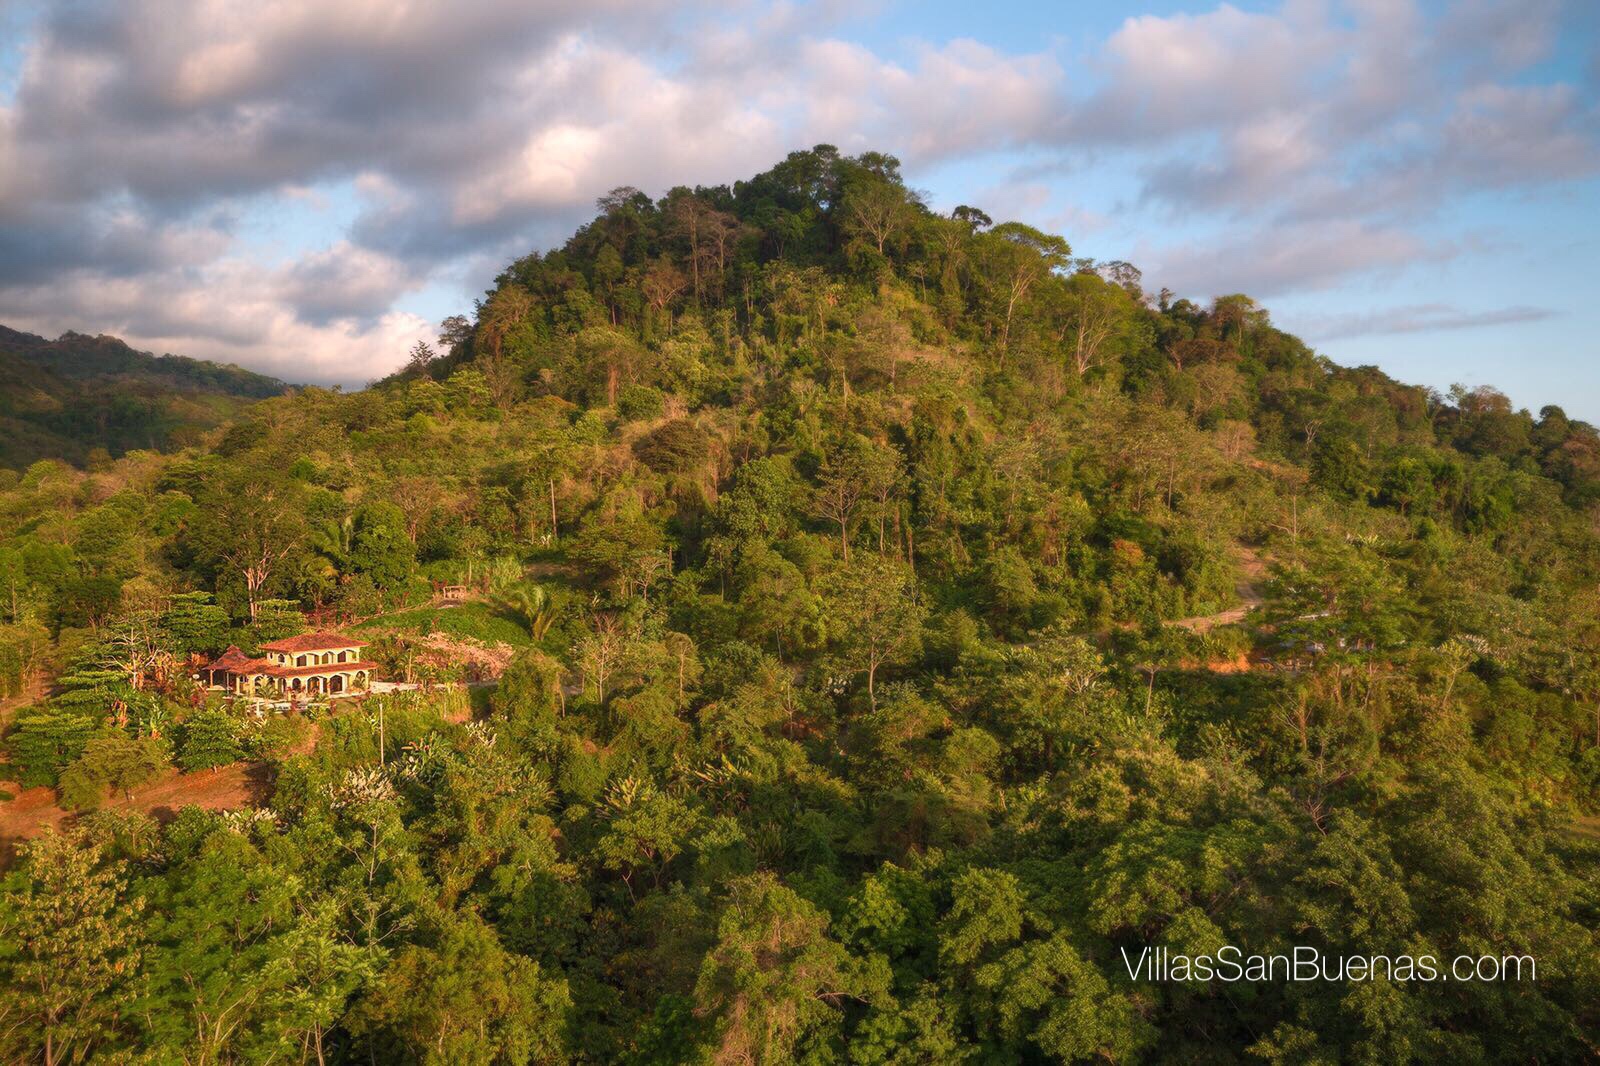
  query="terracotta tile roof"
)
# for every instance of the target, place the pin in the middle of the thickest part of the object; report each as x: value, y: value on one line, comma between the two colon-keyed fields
x: 232, y: 659
x: 246, y: 667
x: 313, y: 642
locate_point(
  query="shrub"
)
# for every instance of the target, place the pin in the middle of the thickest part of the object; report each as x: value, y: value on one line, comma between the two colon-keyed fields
x: 44, y: 741
x: 210, y: 738
x: 675, y: 448
x: 639, y: 403
x: 271, y: 738
x: 115, y: 761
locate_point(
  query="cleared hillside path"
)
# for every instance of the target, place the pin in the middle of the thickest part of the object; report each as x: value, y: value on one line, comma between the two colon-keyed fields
x: 225, y: 788
x: 1246, y: 589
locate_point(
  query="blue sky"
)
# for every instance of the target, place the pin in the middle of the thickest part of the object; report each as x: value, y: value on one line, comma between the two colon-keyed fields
x: 307, y: 188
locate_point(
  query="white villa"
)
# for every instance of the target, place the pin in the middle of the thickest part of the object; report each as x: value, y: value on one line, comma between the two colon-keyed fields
x: 312, y: 664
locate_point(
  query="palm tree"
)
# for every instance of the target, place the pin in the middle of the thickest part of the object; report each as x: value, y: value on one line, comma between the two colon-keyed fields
x: 332, y: 543
x: 532, y: 606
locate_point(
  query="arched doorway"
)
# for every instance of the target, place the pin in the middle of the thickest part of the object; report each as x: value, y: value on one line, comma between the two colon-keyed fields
x: 336, y: 683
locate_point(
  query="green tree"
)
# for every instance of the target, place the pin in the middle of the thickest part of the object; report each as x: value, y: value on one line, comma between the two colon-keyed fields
x: 646, y: 830
x: 44, y: 741
x: 251, y: 522
x: 532, y: 605
x: 70, y: 946
x: 193, y: 623
x: 775, y: 985
x: 854, y: 475
x: 465, y: 1000
x: 876, y: 615
x: 878, y: 211
x: 1016, y: 258
x: 314, y: 973
x: 115, y: 761
x: 379, y: 546
x: 210, y: 738
x: 217, y: 918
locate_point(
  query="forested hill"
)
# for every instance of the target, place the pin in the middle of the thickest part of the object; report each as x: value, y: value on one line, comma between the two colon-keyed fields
x: 831, y: 267
x: 68, y: 398
x: 896, y: 625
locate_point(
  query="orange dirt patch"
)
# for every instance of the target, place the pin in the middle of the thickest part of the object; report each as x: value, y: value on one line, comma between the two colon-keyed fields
x: 1239, y: 664
x: 226, y: 788
x: 484, y: 661
x: 1242, y: 663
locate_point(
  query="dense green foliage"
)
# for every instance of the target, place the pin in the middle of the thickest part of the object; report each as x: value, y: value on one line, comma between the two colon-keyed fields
x: 841, y: 547
x: 89, y: 399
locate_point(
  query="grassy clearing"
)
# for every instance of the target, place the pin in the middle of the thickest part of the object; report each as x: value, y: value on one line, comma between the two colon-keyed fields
x: 474, y: 619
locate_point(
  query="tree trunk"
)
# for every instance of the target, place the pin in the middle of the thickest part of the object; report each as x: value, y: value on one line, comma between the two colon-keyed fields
x: 251, y: 584
x: 1005, y: 334
x: 694, y: 253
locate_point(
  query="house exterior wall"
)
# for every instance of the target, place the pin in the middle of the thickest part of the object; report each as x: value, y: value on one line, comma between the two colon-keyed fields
x: 312, y: 664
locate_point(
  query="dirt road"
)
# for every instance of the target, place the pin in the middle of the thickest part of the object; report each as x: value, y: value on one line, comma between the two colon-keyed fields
x: 1247, y: 589
x: 225, y: 788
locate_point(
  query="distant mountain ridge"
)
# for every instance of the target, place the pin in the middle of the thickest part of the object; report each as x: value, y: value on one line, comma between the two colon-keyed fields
x: 80, y: 357
x: 67, y: 398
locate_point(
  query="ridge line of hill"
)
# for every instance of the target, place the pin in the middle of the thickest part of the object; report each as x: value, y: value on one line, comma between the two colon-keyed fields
x: 87, y: 399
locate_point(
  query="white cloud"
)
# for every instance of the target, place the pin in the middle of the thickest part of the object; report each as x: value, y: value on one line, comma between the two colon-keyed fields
x: 1338, y: 111
x: 1174, y: 75
x: 222, y: 312
x: 1314, y: 135
x: 1291, y: 257
x: 343, y: 281
x: 1414, y: 318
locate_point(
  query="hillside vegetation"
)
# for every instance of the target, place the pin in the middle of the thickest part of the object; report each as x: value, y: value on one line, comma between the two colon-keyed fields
x: 88, y: 399
x: 835, y: 546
